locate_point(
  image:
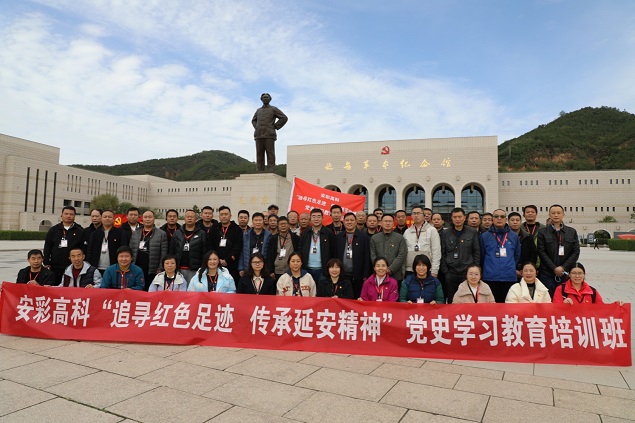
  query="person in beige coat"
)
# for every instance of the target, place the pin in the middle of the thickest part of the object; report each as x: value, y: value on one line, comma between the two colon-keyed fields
x: 529, y: 289
x: 473, y: 289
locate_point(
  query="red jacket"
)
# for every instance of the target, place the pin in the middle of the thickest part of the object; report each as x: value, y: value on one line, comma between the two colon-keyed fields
x: 583, y: 296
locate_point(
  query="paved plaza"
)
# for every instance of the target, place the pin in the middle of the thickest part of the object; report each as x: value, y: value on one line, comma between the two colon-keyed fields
x: 66, y: 381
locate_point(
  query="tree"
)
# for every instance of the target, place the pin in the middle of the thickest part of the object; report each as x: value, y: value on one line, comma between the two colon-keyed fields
x: 608, y: 219
x: 105, y: 202
x: 123, y: 207
x: 601, y: 234
x: 196, y: 209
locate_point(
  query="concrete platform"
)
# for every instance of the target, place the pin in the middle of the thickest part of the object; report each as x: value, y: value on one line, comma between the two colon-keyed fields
x: 68, y: 381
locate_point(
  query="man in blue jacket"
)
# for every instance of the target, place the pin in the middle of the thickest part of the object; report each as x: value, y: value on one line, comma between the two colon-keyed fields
x: 500, y: 251
x: 124, y: 274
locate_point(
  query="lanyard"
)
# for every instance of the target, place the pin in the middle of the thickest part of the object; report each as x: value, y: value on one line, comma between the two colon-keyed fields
x: 187, y: 238
x: 559, y: 234
x: 297, y: 289
x: 336, y: 230
x: 259, y: 240
x: 145, y: 234
x: 418, y: 232
x: 379, y: 288
x: 253, y: 282
x: 211, y: 282
x: 475, y: 296
x: 168, y: 283
x: 501, y: 243
x: 533, y: 229
x: 315, y: 237
x: 349, y: 240
x: 224, y: 231
x: 336, y: 288
x: 124, y: 282
x: 283, y: 241
x: 33, y: 278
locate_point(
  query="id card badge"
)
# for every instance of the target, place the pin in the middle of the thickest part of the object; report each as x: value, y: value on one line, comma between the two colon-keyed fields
x: 349, y: 253
x: 186, y: 246
x: 283, y: 252
x: 503, y: 252
x: 142, y: 245
x: 254, y: 250
x: 314, y: 250
x: 419, y: 300
x: 223, y: 242
x: 455, y: 255
x: 561, y: 250
x: 104, y: 247
x: 63, y: 243
x: 417, y: 247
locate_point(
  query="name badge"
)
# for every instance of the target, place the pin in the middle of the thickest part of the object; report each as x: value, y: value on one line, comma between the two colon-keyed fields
x: 417, y: 247
x: 186, y: 246
x: 456, y: 255
x: 223, y: 242
x: 142, y: 245
x: 254, y: 250
x: 314, y: 250
x: 283, y: 252
x: 63, y: 243
x: 503, y: 252
x: 419, y: 300
x: 349, y: 253
x: 561, y: 250
x: 104, y: 248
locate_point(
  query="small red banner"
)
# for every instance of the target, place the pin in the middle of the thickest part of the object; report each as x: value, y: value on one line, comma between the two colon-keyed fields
x: 306, y: 196
x: 598, y: 334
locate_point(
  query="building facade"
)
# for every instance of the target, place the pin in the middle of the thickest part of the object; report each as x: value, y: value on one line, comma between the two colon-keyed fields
x: 440, y: 173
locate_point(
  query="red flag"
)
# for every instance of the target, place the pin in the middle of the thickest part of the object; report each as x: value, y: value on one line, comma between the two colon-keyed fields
x: 306, y: 196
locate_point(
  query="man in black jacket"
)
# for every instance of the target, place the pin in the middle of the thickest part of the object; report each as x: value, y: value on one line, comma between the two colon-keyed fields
x: 104, y: 243
x: 35, y: 273
x: 229, y: 242
x: 280, y: 247
x: 171, y: 224
x: 353, y: 249
x: 460, y: 248
x: 558, y: 249
x: 60, y: 239
x: 317, y: 246
x: 189, y: 245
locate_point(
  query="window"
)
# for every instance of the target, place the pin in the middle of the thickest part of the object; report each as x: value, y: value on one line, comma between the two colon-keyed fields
x: 472, y: 199
x: 443, y: 200
x: 414, y: 195
x: 387, y: 199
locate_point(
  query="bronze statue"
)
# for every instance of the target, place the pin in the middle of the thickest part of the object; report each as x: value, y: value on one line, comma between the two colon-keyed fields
x: 266, y: 121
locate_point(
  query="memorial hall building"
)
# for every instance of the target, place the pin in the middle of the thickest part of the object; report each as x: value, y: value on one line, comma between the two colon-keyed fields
x: 440, y: 173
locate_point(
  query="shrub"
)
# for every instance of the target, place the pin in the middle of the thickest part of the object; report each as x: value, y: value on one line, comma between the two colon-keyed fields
x: 622, y: 244
x: 22, y: 235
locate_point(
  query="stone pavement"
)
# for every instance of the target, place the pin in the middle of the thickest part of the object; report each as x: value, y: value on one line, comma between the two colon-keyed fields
x: 67, y: 381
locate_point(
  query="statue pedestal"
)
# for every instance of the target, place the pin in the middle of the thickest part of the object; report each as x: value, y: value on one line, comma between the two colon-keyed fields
x: 254, y: 192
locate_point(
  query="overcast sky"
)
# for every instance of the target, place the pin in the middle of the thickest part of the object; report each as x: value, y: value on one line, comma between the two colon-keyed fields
x: 119, y: 82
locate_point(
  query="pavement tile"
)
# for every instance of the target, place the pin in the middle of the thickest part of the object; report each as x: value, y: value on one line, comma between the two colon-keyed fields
x: 216, y: 358
x: 505, y: 389
x: 341, y: 362
x: 464, y: 405
x: 629, y: 376
x: 609, y: 419
x: 272, y: 369
x: 414, y: 416
x: 524, y: 368
x: 159, y: 350
x: 617, y: 392
x: 551, y: 382
x: 16, y: 397
x: 421, y: 375
x: 129, y: 364
x: 101, y: 389
x: 164, y: 405
x: 261, y: 395
x: 463, y: 370
x: 503, y: 410
x: 189, y: 377
x: 349, y: 384
x: 79, y: 352
x: 400, y: 361
x: 30, y: 344
x: 606, y: 376
x: 325, y: 407
x: 605, y: 405
x: 242, y: 415
x: 59, y: 410
x: 45, y: 373
x: 283, y: 355
x: 14, y: 358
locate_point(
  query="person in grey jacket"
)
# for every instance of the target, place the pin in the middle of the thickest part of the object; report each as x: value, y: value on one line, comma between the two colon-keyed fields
x: 460, y: 248
x: 391, y: 246
x: 148, y: 244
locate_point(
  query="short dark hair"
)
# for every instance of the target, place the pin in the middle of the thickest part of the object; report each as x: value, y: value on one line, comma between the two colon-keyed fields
x: 457, y: 210
x: 208, y: 208
x: 378, y: 209
x: 401, y: 211
x: 292, y: 211
x: 336, y: 206
x: 76, y: 248
x: 273, y: 207
x: 221, y: 208
x: 556, y: 205
x: 428, y: 209
x: 372, y: 215
x: 242, y: 212
x: 417, y: 206
x: 107, y: 211
x: 169, y: 257
x: 334, y: 262
x: 487, y: 214
x: 258, y: 214
x: 388, y: 215
x: 350, y: 214
x: 69, y: 208
x: 530, y: 206
x: 34, y: 253
x: 132, y: 209
x: 273, y: 216
x: 579, y: 266
x: 514, y: 214
x: 171, y: 211
x: 282, y: 219
x: 472, y: 212
x: 124, y: 249
x: 316, y: 210
x: 99, y: 210
x: 422, y: 259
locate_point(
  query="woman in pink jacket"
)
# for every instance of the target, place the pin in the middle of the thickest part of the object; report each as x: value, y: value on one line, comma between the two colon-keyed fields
x: 380, y: 286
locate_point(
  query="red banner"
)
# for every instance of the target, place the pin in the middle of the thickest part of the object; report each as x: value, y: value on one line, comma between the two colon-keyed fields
x: 306, y: 196
x: 598, y: 334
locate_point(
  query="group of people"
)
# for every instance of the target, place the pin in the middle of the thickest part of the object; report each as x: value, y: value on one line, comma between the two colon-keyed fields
x: 478, y: 258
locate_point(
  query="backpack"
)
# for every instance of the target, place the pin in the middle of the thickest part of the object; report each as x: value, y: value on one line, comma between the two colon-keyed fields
x: 565, y: 295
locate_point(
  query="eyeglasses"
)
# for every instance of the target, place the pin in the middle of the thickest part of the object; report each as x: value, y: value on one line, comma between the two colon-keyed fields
x: 415, y: 213
x: 499, y: 216
x: 576, y: 273
x: 257, y: 262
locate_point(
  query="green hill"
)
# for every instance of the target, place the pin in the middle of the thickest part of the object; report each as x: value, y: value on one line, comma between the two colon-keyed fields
x: 206, y: 165
x: 587, y: 139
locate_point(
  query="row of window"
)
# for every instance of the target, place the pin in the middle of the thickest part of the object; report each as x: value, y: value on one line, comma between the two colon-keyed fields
x: 205, y: 189
x: 37, y: 190
x: 566, y: 182
x: 573, y: 209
